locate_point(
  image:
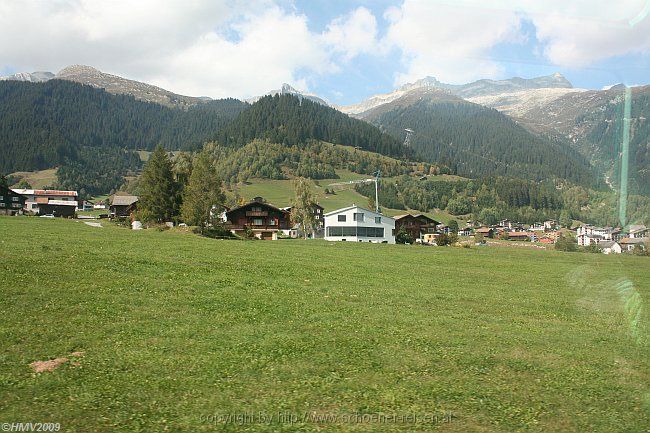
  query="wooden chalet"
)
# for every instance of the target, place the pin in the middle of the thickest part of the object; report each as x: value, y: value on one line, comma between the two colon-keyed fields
x: 485, y: 231
x: 123, y: 205
x: 415, y: 225
x: 11, y: 202
x: 261, y: 219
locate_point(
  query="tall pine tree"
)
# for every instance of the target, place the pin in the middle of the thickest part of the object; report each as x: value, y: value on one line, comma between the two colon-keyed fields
x: 159, y: 198
x: 203, y: 197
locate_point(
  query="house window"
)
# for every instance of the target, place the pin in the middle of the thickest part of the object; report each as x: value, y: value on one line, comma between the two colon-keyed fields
x: 377, y: 220
x: 14, y: 198
x: 1, y: 198
x: 272, y: 222
x: 256, y: 209
x: 258, y: 222
x: 334, y: 231
x: 341, y: 218
x: 358, y: 217
x: 2, y: 204
x: 17, y: 205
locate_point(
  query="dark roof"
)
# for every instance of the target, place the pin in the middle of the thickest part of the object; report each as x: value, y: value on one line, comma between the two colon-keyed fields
x: 416, y: 216
x: 256, y: 203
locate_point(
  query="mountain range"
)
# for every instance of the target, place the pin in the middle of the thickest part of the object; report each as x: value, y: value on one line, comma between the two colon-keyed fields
x: 538, y: 115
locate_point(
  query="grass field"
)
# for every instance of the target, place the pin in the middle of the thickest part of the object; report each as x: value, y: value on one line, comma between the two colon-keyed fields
x: 38, y: 179
x: 179, y: 332
x: 280, y: 193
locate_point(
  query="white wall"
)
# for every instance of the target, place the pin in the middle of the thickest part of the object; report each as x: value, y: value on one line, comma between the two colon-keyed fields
x: 386, y: 223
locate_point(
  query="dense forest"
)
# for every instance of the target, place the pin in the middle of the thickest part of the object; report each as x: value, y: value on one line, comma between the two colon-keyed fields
x: 491, y: 199
x: 476, y: 142
x: 288, y: 120
x: 43, y: 125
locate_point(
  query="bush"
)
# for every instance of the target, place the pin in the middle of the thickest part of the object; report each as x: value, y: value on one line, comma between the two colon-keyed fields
x: 403, y: 237
x: 564, y: 243
x: 215, y: 232
x: 446, y: 239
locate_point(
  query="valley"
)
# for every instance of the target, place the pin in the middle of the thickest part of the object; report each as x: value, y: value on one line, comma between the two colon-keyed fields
x: 540, y: 130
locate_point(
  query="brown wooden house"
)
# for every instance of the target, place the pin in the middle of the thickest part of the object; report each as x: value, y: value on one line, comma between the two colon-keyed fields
x: 11, y: 202
x: 123, y: 205
x: 260, y: 219
x: 415, y: 225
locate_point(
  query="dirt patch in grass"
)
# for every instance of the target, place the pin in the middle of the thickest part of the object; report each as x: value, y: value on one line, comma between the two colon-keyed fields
x: 49, y: 365
x: 53, y: 364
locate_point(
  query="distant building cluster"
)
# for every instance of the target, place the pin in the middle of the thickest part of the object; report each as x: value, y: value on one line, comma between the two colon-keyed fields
x: 612, y: 240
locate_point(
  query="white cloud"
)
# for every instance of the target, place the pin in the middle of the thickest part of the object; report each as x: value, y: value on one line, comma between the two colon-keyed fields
x: 353, y: 34
x: 450, y: 42
x: 216, y: 48
x: 454, y: 41
x: 272, y: 48
x: 245, y: 47
x: 580, y: 33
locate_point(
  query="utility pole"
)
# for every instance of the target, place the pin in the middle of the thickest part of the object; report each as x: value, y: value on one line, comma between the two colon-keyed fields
x: 407, y: 140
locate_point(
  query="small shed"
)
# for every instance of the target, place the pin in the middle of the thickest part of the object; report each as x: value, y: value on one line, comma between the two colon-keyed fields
x: 123, y: 205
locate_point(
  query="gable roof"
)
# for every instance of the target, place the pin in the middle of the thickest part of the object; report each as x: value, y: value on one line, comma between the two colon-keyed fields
x: 257, y: 203
x: 123, y: 200
x: 345, y: 209
x: 419, y: 216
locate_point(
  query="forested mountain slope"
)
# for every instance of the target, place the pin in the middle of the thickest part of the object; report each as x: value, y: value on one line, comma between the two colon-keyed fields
x: 47, y: 124
x: 475, y: 141
x: 286, y: 119
x: 591, y: 122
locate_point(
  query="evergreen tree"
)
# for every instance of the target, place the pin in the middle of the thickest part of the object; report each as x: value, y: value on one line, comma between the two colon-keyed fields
x: 159, y: 199
x: 302, y: 211
x: 403, y: 237
x: 565, y: 219
x: 453, y: 226
x: 203, y: 196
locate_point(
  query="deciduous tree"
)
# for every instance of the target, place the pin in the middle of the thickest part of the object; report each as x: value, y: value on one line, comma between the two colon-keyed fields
x: 302, y: 211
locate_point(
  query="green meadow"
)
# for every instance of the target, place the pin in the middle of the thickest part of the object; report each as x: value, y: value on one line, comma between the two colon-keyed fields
x: 183, y: 333
x: 281, y: 192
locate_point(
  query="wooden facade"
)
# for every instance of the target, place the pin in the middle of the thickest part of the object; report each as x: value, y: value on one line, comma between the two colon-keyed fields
x: 415, y: 225
x: 122, y: 206
x: 262, y: 219
x: 11, y: 203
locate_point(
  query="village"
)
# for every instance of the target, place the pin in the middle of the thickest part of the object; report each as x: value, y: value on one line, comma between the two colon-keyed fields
x: 258, y: 219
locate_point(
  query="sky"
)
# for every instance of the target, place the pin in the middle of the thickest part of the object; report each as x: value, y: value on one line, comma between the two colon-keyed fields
x: 344, y: 51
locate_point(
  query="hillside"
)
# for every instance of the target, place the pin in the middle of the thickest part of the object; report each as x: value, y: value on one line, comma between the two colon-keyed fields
x: 89, y: 133
x: 475, y: 141
x: 590, y: 121
x: 289, y: 120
